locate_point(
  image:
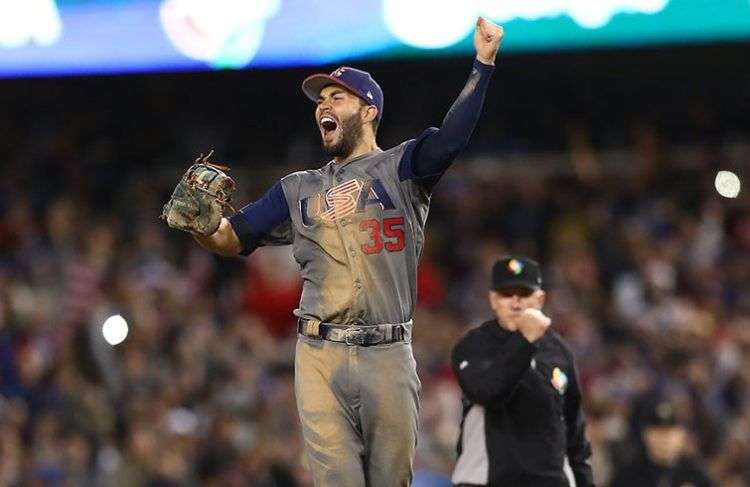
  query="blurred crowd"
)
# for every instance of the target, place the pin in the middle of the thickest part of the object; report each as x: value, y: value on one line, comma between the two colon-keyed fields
x: 647, y: 270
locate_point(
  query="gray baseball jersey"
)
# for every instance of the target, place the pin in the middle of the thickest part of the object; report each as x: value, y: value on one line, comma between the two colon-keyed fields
x: 357, y: 227
x: 357, y: 231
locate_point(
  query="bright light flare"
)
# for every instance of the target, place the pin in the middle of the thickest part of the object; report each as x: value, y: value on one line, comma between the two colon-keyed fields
x: 115, y: 329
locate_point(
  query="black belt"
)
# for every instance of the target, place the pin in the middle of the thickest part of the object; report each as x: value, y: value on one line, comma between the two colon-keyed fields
x: 353, y: 334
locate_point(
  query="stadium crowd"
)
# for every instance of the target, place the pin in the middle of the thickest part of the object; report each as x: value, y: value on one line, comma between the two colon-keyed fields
x: 646, y: 267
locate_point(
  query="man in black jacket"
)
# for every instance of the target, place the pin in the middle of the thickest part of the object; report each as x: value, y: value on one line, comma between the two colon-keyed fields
x: 523, y: 424
x: 663, y: 461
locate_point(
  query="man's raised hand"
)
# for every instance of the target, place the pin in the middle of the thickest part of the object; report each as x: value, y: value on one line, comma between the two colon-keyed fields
x: 487, y: 38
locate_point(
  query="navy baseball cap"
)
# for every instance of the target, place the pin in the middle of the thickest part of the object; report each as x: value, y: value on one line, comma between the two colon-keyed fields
x: 355, y: 80
x: 516, y: 271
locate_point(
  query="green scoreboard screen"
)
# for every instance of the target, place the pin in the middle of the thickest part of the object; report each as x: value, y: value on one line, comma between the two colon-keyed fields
x: 52, y: 37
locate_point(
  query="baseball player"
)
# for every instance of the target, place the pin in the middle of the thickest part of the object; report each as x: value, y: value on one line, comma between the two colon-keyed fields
x: 357, y: 228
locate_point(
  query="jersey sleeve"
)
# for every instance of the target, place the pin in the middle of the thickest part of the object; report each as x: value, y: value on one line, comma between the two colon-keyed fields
x: 430, y: 155
x: 406, y: 164
x: 264, y: 222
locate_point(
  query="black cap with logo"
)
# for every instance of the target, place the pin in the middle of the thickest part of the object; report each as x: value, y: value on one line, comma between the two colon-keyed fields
x: 516, y: 271
x: 661, y: 412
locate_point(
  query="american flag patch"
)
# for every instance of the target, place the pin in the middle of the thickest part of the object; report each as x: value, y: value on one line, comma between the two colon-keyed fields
x: 342, y: 200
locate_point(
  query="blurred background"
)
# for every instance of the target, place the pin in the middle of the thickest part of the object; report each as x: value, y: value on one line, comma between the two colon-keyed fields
x: 596, y: 154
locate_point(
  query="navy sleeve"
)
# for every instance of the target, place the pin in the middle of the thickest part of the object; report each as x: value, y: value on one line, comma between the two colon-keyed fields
x: 259, y: 222
x: 428, y: 156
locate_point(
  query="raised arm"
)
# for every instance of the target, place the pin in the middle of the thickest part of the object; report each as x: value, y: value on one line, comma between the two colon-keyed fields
x: 432, y: 153
x: 488, y: 373
x: 489, y: 369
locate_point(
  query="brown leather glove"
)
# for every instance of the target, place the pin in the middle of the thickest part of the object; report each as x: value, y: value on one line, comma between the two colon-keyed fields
x: 197, y: 203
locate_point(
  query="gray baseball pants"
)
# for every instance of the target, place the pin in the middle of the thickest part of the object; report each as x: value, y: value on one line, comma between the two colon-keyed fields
x: 359, y: 410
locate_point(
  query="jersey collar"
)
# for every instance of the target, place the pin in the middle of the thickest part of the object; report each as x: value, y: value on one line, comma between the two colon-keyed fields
x: 336, y: 167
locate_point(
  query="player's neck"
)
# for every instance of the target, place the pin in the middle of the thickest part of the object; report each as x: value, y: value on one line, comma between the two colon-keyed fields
x: 365, y: 146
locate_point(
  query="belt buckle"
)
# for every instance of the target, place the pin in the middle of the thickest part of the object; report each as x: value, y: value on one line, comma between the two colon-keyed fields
x: 355, y: 336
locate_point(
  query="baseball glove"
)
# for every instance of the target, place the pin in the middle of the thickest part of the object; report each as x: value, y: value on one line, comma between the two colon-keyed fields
x: 197, y: 203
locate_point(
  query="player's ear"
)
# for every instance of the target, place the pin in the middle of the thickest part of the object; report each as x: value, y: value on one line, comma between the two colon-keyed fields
x: 370, y: 113
x: 492, y: 297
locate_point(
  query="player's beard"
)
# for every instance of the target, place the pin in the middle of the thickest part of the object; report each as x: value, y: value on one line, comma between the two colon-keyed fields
x: 351, y: 133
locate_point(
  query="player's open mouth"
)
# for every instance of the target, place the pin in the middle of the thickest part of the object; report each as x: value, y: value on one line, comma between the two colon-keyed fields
x: 328, y: 125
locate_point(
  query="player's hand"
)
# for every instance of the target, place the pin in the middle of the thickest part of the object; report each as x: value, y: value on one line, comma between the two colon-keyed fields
x: 487, y: 37
x: 533, y: 324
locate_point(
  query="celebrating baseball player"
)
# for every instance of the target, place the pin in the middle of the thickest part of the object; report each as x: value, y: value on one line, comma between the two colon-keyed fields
x: 357, y: 228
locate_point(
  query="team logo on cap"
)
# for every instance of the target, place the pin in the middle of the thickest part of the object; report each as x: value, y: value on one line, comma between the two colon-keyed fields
x: 664, y: 411
x: 515, y: 266
x: 559, y: 380
x: 338, y: 72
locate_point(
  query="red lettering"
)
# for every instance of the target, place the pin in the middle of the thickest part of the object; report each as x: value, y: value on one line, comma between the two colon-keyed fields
x: 375, y: 245
x: 394, y: 228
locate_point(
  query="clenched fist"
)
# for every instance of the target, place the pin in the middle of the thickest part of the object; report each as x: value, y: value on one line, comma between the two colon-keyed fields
x: 487, y: 37
x: 533, y: 324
